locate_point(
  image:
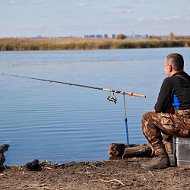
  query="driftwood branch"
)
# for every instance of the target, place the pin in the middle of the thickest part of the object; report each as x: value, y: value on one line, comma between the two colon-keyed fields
x: 124, y: 151
x: 110, y: 181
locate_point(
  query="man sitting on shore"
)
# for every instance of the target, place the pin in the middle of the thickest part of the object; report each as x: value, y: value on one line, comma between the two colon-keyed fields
x: 171, y: 115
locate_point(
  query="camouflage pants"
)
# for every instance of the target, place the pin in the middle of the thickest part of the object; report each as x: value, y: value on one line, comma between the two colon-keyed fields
x: 159, y: 127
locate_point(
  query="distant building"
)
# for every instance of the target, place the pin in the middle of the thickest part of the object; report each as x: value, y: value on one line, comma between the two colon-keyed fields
x: 145, y: 36
x: 90, y: 36
x: 137, y: 36
x: 99, y: 36
x: 106, y: 36
x: 113, y: 36
x: 96, y: 36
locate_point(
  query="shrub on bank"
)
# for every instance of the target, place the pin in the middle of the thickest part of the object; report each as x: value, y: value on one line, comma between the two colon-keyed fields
x: 13, y: 44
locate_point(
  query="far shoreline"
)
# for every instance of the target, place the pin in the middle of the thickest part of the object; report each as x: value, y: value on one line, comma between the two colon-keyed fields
x: 35, y: 44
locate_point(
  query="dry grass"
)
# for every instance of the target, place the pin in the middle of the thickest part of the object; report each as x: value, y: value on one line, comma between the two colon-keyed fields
x: 22, y: 44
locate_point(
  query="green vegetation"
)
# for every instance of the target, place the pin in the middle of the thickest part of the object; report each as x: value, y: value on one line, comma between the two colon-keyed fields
x: 22, y: 44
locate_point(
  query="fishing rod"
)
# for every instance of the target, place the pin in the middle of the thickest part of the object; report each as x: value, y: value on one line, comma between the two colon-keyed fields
x: 79, y: 85
x: 109, y: 98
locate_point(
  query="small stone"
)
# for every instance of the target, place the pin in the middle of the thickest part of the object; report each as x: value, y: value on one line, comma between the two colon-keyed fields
x: 2, y: 159
x: 34, y: 165
x: 4, y: 148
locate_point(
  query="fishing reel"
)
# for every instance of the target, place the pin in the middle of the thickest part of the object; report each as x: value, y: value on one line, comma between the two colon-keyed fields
x: 112, y: 98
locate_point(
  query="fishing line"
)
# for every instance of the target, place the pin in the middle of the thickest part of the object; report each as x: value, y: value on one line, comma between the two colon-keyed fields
x: 111, y: 98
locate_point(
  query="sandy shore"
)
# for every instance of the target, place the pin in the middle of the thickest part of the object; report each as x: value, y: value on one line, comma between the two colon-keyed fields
x: 109, y: 174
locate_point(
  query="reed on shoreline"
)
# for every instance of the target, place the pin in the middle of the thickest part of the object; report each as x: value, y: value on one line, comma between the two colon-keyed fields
x: 27, y: 44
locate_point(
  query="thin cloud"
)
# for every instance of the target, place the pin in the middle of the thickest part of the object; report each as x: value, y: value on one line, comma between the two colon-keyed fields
x: 140, y: 19
x: 171, y: 18
x: 121, y: 10
x: 138, y: 2
x: 161, y: 19
x: 12, y: 2
x: 20, y: 2
x: 82, y: 4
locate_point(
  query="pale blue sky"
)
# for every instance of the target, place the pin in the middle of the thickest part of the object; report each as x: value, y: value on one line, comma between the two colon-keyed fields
x: 79, y: 17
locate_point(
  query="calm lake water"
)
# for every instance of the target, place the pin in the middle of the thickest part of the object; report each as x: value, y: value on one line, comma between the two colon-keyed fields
x: 42, y: 120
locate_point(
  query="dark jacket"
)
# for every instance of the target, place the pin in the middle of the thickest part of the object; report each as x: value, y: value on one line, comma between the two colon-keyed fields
x: 174, y: 92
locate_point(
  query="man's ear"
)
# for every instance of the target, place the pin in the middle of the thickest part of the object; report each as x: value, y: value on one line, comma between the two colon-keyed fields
x: 170, y: 68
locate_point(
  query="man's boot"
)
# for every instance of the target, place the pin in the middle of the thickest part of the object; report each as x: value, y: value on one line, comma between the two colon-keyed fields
x: 160, y: 161
x: 170, y: 151
x: 169, y: 147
